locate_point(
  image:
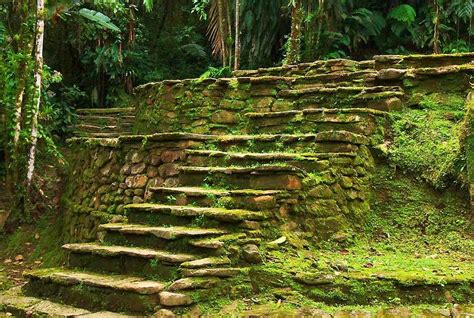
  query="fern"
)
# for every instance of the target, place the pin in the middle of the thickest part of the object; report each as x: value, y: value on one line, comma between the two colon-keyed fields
x: 404, y: 13
x: 194, y: 50
x: 463, y: 9
x: 402, y: 18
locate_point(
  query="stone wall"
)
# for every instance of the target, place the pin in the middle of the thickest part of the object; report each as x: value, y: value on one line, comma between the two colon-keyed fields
x: 108, y: 174
x: 328, y: 193
x: 220, y: 106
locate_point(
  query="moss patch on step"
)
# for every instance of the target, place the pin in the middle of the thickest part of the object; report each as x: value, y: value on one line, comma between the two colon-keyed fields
x: 426, y: 138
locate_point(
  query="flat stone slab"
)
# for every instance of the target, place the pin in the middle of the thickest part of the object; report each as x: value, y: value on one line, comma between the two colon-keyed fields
x: 207, y: 262
x: 242, y: 170
x: 202, y: 192
x: 174, y: 299
x: 252, y: 155
x: 122, y: 283
x: 334, y: 90
x: 30, y: 305
x: 110, y: 251
x: 217, y: 242
x: 213, y: 272
x: 310, y: 111
x: 86, y: 111
x: 225, y: 215
x: 194, y: 283
x: 168, y: 233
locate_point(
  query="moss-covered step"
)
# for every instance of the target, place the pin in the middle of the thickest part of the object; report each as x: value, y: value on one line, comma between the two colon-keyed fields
x: 421, y: 61
x: 224, y: 272
x: 309, y: 69
x: 224, y: 240
x: 91, y: 128
x: 362, y: 121
x: 323, y: 142
x: 309, y: 162
x: 249, y: 199
x: 105, y: 119
x: 168, y: 215
x: 101, y: 135
x: 265, y: 177
x: 18, y: 305
x: 376, y: 97
x: 171, y: 238
x: 340, y: 288
x: 108, y: 111
x: 94, y: 291
x: 144, y: 262
x: 344, y: 78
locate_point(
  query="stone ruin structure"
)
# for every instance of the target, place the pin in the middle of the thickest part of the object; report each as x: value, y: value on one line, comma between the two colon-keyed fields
x: 169, y: 202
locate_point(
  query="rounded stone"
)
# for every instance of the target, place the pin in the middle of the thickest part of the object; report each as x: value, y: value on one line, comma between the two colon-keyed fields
x: 251, y: 254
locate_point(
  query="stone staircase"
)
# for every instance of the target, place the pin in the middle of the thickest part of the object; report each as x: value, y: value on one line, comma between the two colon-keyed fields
x: 104, y: 122
x: 198, y: 217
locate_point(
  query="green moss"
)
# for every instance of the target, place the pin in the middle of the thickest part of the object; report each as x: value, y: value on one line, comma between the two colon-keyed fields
x: 426, y: 140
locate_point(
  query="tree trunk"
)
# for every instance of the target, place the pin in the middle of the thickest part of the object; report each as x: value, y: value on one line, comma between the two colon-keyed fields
x: 37, y: 92
x: 229, y: 34
x: 25, y: 47
x: 220, y: 10
x: 237, y: 35
x: 294, y: 48
x: 436, y: 33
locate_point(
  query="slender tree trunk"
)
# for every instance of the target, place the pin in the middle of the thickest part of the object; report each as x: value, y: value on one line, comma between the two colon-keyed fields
x: 220, y: 10
x: 37, y: 93
x: 436, y: 33
x: 24, y: 47
x: 237, y: 35
x: 294, y: 48
x: 229, y: 34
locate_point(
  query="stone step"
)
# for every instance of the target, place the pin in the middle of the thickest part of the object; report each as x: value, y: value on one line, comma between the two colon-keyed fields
x: 323, y: 142
x: 249, y: 199
x: 106, y: 120
x: 23, y: 306
x: 358, y: 92
x: 167, y: 233
x: 421, y: 61
x: 265, y: 177
x: 103, y: 135
x: 82, y: 289
x: 362, y: 121
x: 85, y: 127
x: 122, y: 283
x: 221, y: 241
x: 341, y: 78
x: 169, y: 238
x: 225, y: 272
x: 307, y: 162
x: 143, y: 262
x: 191, y: 283
x: 309, y: 69
x: 102, y: 111
x: 206, y: 263
x: 112, y: 251
x: 385, y: 98
x: 161, y: 214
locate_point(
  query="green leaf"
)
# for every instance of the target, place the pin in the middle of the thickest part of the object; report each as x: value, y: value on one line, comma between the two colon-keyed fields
x: 404, y: 13
x: 99, y: 18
